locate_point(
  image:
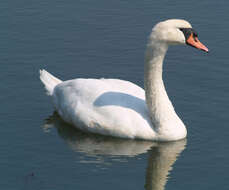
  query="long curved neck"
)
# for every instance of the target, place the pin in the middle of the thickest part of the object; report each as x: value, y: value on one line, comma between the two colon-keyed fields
x: 160, y: 108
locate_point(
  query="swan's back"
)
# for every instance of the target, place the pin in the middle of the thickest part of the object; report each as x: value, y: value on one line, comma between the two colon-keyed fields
x: 106, y: 106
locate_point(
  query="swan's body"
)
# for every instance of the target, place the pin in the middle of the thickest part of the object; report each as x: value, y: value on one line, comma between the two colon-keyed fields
x: 120, y: 108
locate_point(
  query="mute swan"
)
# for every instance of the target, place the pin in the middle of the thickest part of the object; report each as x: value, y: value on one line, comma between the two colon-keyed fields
x: 120, y: 108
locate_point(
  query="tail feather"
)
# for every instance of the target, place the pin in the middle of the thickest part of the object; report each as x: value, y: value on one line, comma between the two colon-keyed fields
x: 49, y: 81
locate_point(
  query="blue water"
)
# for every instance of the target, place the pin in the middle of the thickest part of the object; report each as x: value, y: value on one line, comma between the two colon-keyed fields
x: 107, y: 39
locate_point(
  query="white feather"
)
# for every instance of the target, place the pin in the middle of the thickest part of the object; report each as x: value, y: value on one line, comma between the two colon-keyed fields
x: 49, y: 81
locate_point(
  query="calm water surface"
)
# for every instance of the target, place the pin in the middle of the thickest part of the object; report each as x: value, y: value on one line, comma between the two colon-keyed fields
x: 107, y: 39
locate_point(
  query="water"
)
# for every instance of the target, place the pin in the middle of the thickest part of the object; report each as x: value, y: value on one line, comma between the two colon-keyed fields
x: 107, y: 39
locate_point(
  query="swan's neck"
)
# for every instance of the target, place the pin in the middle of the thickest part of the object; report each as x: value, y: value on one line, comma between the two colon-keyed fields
x: 162, y: 114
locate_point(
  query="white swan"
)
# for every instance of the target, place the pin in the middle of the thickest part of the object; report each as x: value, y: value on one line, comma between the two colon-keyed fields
x: 120, y: 108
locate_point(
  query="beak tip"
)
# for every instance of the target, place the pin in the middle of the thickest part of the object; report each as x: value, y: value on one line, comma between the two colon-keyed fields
x: 196, y: 43
x: 206, y: 50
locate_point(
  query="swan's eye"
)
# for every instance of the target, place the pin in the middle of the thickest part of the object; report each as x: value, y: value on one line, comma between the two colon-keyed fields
x: 194, y: 32
x: 195, y: 35
x: 188, y: 32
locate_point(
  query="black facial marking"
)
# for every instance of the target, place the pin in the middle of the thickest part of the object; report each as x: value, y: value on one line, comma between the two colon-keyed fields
x: 188, y: 31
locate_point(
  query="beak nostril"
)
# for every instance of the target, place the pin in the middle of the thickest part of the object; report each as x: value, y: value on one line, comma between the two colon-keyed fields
x: 196, y: 39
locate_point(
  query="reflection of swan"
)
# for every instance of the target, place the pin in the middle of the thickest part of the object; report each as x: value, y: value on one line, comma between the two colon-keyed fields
x: 161, y: 159
x: 120, y: 108
x: 161, y: 155
x: 92, y: 144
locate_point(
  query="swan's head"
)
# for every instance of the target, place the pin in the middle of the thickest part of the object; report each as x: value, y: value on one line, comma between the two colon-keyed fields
x: 176, y: 31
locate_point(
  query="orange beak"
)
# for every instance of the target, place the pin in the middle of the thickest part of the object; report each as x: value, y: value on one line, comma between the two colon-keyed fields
x: 194, y: 41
